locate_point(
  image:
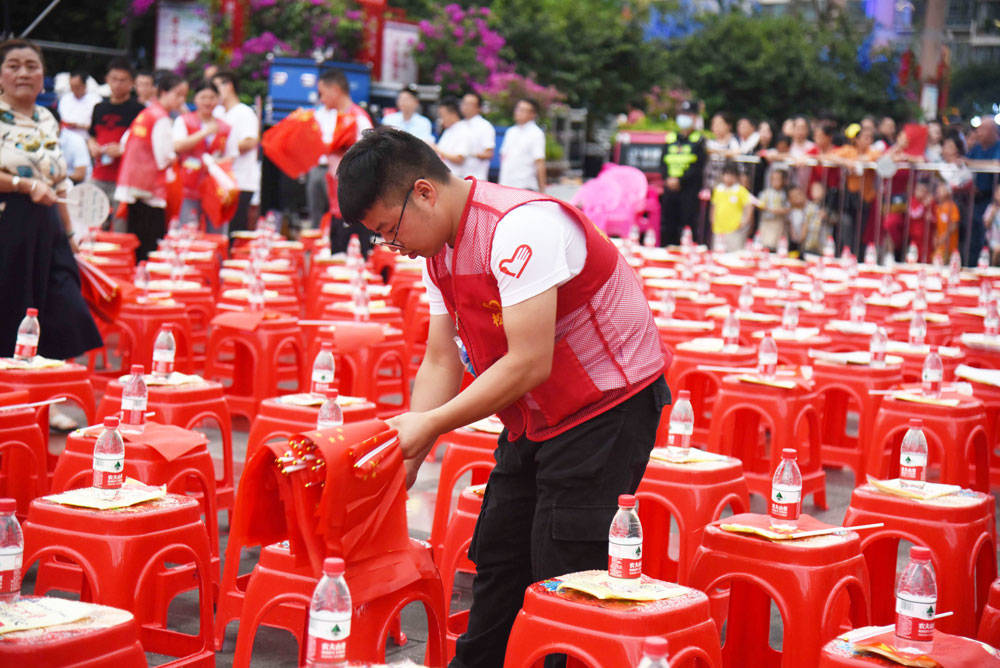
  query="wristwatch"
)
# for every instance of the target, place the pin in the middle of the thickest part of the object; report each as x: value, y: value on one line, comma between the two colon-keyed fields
x: 15, y: 181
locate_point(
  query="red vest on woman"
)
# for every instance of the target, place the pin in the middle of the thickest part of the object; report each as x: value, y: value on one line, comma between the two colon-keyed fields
x: 607, y: 346
x: 189, y: 164
x: 138, y: 169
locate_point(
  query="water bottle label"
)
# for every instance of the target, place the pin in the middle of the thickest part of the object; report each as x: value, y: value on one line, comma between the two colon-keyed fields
x: 786, y: 502
x: 932, y: 375
x: 163, y: 362
x: 912, y: 466
x: 915, y: 617
x: 768, y: 360
x: 682, y: 428
x: 26, y: 346
x: 328, y: 633
x: 624, y: 557
x: 10, y: 569
x: 109, y: 472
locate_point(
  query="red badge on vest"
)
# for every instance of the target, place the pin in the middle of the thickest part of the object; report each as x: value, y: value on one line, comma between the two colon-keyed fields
x: 514, y: 265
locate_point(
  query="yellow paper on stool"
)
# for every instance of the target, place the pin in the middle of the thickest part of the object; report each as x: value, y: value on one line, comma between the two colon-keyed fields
x: 693, y: 456
x: 42, y: 612
x: 598, y: 585
x: 930, y: 490
x: 920, y: 399
x: 784, y: 384
x: 131, y: 493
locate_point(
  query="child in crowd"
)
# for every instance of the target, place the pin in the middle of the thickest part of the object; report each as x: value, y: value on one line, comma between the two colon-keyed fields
x: 946, y: 216
x: 773, y: 203
x: 815, y: 228
x: 921, y: 219
x: 732, y: 207
x: 991, y: 223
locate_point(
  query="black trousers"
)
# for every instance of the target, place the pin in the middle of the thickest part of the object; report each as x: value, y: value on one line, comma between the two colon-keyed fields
x: 149, y: 223
x: 547, y: 510
x: 340, y: 234
x: 679, y: 209
x: 241, y: 219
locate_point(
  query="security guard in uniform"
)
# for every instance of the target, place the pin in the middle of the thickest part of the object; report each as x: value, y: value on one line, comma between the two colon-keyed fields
x: 682, y: 168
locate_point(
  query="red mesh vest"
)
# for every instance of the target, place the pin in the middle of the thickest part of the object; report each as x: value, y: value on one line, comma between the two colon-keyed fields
x: 607, y: 346
x: 138, y: 168
x: 191, y: 168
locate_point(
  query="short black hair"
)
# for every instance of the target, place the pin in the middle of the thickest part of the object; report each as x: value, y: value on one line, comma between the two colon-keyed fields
x: 731, y: 168
x: 450, y: 103
x: 533, y: 103
x: 479, y: 98
x: 383, y: 166
x: 411, y: 91
x: 119, y: 63
x: 230, y: 78
x: 335, y: 77
x: 144, y: 73
x: 828, y: 127
x: 203, y: 84
x: 167, y: 81
x: 79, y: 74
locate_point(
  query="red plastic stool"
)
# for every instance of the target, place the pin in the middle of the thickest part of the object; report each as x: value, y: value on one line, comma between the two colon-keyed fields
x: 453, y: 556
x: 956, y: 438
x: 990, y: 396
x: 267, y: 350
x: 742, y: 408
x: 815, y: 583
x: 959, y: 530
x: 989, y: 624
x: 199, y: 303
x: 280, y: 417
x: 674, y: 331
x: 914, y: 356
x: 749, y: 323
x: 284, y: 283
x: 694, y: 495
x: 794, y: 351
x: 684, y: 374
x: 238, y: 299
x: 120, y: 555
x: 330, y: 292
x: 847, y: 336
x: 185, y: 406
x: 24, y: 447
x: 601, y: 634
x: 978, y: 354
x: 468, y: 450
x: 949, y: 650
x: 106, y: 637
x: 143, y: 321
x: 841, y: 388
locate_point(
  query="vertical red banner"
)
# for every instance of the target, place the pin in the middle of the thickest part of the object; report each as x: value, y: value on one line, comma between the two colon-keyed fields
x: 374, y: 23
x: 235, y: 11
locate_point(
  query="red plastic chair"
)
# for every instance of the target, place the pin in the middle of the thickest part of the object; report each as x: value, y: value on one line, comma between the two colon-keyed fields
x: 453, y: 556
x: 277, y: 419
x: 792, y: 351
x: 601, y: 634
x: 958, y: 529
x: 949, y: 650
x: 24, y: 448
x: 989, y: 624
x: 120, y: 555
x: 816, y: 583
x: 990, y: 396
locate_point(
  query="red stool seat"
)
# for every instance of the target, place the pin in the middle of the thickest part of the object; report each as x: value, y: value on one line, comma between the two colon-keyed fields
x: 106, y: 637
x: 238, y: 299
x: 914, y: 356
x: 989, y: 394
x: 279, y: 417
x: 142, y: 321
x: 379, y: 311
x: 24, y: 447
x: 847, y: 336
x: 979, y: 354
x: 674, y: 331
x: 121, y: 555
x: 694, y: 495
x: 814, y: 582
x: 453, y: 556
x: 742, y: 408
x: 956, y: 438
x: 989, y: 624
x: 949, y: 650
x: 959, y: 530
x: 794, y: 351
x: 602, y: 634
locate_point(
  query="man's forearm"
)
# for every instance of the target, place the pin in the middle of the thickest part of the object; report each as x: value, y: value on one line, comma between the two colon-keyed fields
x: 434, y: 385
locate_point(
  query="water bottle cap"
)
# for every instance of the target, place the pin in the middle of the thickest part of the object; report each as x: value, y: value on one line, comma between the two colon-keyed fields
x: 326, y: 346
x: 920, y: 553
x: 32, y: 313
x: 333, y: 566
x: 789, y: 453
x: 8, y: 505
x: 169, y: 328
x: 626, y: 501
x: 684, y: 394
x: 654, y: 647
x: 137, y: 369
x: 111, y: 422
x: 934, y: 349
x: 916, y: 423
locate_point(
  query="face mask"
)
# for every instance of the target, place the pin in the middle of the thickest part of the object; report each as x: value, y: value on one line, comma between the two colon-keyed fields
x: 684, y: 122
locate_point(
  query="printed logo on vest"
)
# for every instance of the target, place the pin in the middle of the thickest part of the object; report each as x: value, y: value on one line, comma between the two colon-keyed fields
x: 493, y: 306
x: 514, y: 265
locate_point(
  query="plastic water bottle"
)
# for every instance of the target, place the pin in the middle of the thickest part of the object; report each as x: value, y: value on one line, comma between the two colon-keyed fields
x: 887, y: 286
x: 731, y: 331
x: 164, y: 351
x: 668, y: 303
x: 745, y: 300
x: 11, y: 552
x: 954, y: 271
x: 991, y: 321
x: 919, y: 299
x: 829, y: 247
x: 786, y: 492
x: 654, y: 653
x: 912, y: 254
x: 362, y: 307
x: 323, y: 370
x: 783, y: 247
x: 681, y: 426
x: 913, y: 456
x: 984, y: 258
x: 790, y: 317
x: 889, y: 261
x: 871, y: 255
x: 109, y: 459
x: 26, y: 345
x: 784, y: 279
x: 355, y: 259
x: 765, y: 259
x: 330, y: 413
x: 767, y: 356
x: 922, y: 278
x: 687, y: 238
x: 858, y: 307
x: 625, y: 545
x: 916, y: 603
x: 704, y: 284
x: 933, y: 373
x: 329, y: 618
x: 918, y: 329
x: 876, y: 347
x: 649, y: 239
x: 985, y: 292
x: 134, y: 399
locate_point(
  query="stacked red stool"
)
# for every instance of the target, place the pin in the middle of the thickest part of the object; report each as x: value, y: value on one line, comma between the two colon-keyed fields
x: 742, y: 408
x: 956, y: 436
x: 914, y: 356
x: 453, y: 555
x: 957, y: 528
x: 694, y: 494
x: 238, y: 299
x: 266, y: 351
x: 989, y: 624
x: 980, y: 350
x: 847, y: 336
x: 794, y: 346
x: 939, y: 327
x: 199, y: 303
x: 120, y: 556
x: 814, y: 582
x: 986, y: 387
x: 280, y: 417
x: 610, y: 633
x: 24, y: 473
x: 138, y: 323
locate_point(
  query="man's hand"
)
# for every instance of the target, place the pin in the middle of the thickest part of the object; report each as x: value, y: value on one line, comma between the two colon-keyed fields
x: 416, y: 438
x: 113, y: 150
x: 673, y: 183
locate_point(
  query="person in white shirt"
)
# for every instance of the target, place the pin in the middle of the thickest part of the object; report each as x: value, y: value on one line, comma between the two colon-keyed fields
x: 408, y: 117
x: 145, y: 87
x: 482, y: 138
x: 77, y: 106
x: 522, y: 153
x: 454, y: 146
x: 244, y: 136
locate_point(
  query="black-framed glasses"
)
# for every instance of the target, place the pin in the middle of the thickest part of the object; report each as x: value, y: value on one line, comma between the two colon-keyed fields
x: 395, y: 231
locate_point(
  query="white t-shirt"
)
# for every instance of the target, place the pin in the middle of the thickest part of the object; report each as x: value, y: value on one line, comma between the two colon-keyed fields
x: 419, y: 125
x: 244, y: 124
x: 535, y: 247
x: 79, y: 111
x: 522, y: 146
x: 456, y: 141
x: 482, y: 136
x: 327, y: 120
